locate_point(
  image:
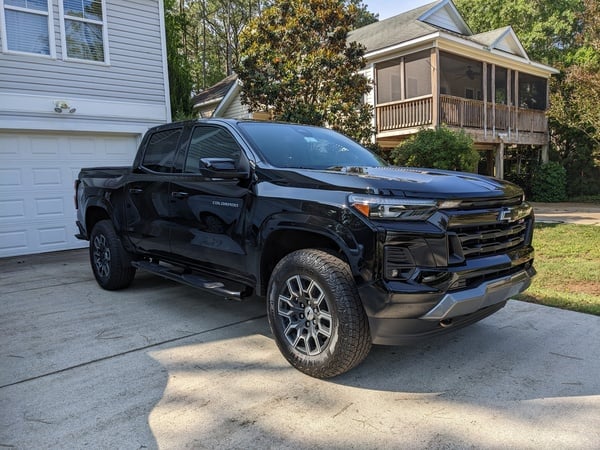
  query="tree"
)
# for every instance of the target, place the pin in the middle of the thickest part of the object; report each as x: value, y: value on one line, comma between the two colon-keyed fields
x: 439, y: 149
x: 296, y: 63
x: 363, y: 16
x: 547, y: 30
x: 565, y: 34
x: 180, y: 81
x: 203, y: 41
x: 576, y: 100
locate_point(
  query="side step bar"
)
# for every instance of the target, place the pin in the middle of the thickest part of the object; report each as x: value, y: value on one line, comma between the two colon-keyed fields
x: 215, y: 287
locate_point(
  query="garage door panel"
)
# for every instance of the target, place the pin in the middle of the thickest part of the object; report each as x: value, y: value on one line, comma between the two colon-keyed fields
x: 36, y: 186
x: 14, y: 241
x: 10, y: 178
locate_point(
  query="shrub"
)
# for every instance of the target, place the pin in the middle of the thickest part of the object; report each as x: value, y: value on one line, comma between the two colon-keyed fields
x: 549, y: 183
x: 439, y: 149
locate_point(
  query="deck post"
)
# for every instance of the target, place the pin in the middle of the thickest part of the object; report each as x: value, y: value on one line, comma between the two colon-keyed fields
x: 499, y: 170
x: 545, y: 157
x: 435, y: 87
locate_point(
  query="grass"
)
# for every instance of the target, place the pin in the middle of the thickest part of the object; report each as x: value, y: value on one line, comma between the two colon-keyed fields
x: 567, y: 259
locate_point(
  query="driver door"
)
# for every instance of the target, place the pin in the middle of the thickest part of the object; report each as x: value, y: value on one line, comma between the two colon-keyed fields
x: 208, y: 213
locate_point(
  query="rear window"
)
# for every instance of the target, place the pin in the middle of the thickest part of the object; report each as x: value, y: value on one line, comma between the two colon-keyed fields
x: 161, y: 149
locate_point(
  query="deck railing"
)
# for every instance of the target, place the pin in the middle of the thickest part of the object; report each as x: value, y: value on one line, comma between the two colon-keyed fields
x: 406, y: 114
x: 460, y: 112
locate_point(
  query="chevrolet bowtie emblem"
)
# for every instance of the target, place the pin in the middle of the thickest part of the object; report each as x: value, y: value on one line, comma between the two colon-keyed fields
x: 505, y: 215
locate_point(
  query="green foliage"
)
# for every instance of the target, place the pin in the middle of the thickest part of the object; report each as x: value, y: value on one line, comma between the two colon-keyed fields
x: 549, y: 183
x: 565, y: 34
x: 180, y: 82
x: 297, y: 64
x: 205, y: 33
x: 439, y: 149
x: 547, y: 30
x: 363, y: 16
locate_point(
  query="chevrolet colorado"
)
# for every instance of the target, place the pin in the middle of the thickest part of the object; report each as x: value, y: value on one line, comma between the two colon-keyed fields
x: 347, y: 250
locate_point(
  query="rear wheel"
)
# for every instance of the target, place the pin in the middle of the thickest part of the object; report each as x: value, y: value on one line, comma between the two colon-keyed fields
x: 316, y: 314
x: 110, y: 262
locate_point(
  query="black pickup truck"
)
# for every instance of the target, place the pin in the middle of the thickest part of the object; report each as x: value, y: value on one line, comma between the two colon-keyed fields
x: 347, y: 250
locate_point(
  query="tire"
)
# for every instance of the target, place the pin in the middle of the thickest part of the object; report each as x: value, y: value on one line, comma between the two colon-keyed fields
x: 110, y: 262
x: 316, y: 315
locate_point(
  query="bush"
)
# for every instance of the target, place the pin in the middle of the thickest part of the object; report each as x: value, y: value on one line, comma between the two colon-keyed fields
x: 439, y: 149
x: 549, y: 183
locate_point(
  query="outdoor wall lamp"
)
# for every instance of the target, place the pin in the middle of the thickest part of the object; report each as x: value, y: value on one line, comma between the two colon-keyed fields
x: 60, y: 106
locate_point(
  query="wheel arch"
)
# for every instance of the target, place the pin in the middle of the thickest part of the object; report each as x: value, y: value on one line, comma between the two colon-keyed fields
x: 93, y: 215
x: 285, y: 240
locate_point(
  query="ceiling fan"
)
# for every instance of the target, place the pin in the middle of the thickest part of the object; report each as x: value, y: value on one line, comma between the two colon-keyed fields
x: 469, y: 73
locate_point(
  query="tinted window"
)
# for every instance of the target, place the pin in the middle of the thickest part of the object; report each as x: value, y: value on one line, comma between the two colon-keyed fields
x: 161, y: 150
x: 298, y: 146
x: 210, y: 142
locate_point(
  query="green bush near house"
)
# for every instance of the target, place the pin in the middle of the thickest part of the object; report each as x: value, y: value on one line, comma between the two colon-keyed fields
x: 549, y: 183
x: 441, y: 148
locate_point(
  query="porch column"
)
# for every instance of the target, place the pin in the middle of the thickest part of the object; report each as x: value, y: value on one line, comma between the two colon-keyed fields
x: 499, y: 169
x: 485, y: 99
x: 435, y: 87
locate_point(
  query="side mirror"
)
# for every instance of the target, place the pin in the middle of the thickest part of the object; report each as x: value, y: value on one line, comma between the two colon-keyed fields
x: 221, y: 168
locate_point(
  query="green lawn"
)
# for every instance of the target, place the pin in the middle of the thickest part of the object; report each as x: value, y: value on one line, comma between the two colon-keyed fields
x: 567, y: 259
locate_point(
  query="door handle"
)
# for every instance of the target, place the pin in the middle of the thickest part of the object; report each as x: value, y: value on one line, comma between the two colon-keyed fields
x: 177, y: 194
x: 135, y: 190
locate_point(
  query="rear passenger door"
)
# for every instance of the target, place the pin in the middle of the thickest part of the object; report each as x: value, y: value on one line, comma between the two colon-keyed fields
x: 208, y: 213
x: 147, y: 206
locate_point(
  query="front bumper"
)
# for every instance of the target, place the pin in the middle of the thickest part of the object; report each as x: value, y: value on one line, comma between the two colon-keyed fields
x: 486, y: 294
x: 397, y: 318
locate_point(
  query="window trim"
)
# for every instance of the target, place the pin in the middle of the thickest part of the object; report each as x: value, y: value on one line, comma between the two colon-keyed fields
x: 50, y: 22
x: 63, y: 31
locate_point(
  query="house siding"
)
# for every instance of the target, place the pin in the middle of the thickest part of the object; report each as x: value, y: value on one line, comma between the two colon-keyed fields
x: 236, y: 110
x: 135, y: 72
x: 58, y: 115
x: 442, y: 19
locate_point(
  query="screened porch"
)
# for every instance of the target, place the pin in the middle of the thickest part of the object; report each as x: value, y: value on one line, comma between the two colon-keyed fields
x: 485, y: 99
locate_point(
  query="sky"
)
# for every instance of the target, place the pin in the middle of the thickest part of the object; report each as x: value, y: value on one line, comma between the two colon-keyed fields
x: 389, y: 8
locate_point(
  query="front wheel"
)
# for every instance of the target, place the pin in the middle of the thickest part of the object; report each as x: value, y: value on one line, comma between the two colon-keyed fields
x: 316, y: 314
x: 110, y: 262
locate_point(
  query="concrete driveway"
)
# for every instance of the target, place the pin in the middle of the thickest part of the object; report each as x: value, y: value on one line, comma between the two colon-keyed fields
x: 164, y: 366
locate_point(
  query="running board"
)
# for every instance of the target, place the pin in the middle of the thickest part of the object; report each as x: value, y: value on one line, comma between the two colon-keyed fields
x: 215, y: 287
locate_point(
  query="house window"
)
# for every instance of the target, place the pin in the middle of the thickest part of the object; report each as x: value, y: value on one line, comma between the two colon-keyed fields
x: 84, y: 29
x: 27, y: 27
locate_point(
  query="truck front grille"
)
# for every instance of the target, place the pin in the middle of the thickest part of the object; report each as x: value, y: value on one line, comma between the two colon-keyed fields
x: 487, y: 240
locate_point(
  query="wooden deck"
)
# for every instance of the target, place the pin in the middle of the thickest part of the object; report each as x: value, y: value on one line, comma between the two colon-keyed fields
x: 485, y: 122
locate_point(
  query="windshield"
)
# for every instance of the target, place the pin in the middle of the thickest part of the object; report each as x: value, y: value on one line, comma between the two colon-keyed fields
x: 306, y: 147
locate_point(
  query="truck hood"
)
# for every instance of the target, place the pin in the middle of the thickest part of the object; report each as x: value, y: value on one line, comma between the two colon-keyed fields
x: 399, y: 181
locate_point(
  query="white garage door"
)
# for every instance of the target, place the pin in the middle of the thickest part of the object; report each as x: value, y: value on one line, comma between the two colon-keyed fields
x: 37, y: 172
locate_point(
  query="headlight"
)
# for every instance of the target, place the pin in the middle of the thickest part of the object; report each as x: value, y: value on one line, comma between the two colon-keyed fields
x: 376, y: 207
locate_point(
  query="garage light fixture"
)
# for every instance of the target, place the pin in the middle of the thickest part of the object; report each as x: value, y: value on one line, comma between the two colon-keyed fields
x: 60, y: 106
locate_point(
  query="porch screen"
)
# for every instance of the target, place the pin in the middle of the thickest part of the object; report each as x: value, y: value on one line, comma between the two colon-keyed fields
x: 389, y: 85
x: 532, y: 91
x: 417, y: 69
x: 460, y: 76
